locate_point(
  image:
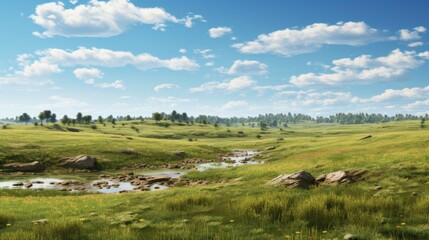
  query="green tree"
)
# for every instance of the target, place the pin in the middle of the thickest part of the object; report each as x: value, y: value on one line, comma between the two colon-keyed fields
x: 53, y: 118
x: 65, y: 120
x: 422, y: 123
x: 41, y: 117
x: 87, y: 119
x: 79, y: 117
x: 24, y: 118
x: 263, y: 125
x: 157, y: 117
x: 100, y: 119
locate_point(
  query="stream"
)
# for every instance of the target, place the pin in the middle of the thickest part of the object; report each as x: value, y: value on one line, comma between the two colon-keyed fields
x: 144, y: 181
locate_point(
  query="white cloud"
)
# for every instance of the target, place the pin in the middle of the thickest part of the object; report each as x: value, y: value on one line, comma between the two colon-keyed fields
x: 219, y: 32
x: 100, y: 18
x: 168, y: 101
x: 311, y: 97
x: 58, y: 102
x: 110, y: 58
x: 424, y: 54
x: 118, y: 84
x: 125, y: 97
x: 205, y: 53
x: 234, y: 104
x: 182, y: 51
x: 73, y: 1
x: 410, y: 93
x: 415, y: 44
x: 88, y: 74
x: 165, y: 86
x: 247, y: 67
x: 210, y: 64
x: 291, y: 41
x: 234, y: 84
x: 272, y: 88
x: 363, y: 69
x: 409, y: 35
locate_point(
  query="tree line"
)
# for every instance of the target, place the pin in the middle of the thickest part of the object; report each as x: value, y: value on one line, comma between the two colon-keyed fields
x: 263, y: 121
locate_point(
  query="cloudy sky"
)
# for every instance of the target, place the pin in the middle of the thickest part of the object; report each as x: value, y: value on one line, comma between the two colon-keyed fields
x: 218, y: 57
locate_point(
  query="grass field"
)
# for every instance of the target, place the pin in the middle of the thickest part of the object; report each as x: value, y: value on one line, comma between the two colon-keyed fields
x: 243, y: 206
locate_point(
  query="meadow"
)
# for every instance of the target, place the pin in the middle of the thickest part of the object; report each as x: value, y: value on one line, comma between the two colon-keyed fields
x: 237, y: 204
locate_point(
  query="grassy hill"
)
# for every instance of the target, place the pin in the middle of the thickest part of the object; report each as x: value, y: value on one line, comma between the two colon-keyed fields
x: 239, y: 204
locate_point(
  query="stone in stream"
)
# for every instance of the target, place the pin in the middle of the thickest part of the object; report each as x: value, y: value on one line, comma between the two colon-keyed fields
x: 79, y: 162
x: 25, y: 167
x: 18, y: 184
x: 301, y: 179
x: 152, y: 180
x: 28, y: 185
x: 350, y: 237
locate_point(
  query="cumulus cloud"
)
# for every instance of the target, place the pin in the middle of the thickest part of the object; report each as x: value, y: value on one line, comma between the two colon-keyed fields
x: 234, y: 84
x: 88, y: 74
x: 219, y: 32
x: 247, y: 67
x: 415, y: 44
x: 182, y: 51
x: 312, y: 97
x: 205, y: 53
x: 389, y: 94
x: 118, y: 84
x: 158, y: 88
x: 234, y: 104
x: 410, y: 35
x: 168, y: 101
x: 363, y: 69
x: 100, y: 18
x: 291, y: 41
x: 58, y: 102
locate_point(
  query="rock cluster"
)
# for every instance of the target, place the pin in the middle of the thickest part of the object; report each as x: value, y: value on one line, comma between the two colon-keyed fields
x: 79, y: 162
x: 303, y: 179
x: 25, y: 167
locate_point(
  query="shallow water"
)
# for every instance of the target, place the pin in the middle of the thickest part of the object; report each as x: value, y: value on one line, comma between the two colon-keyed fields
x: 52, y: 183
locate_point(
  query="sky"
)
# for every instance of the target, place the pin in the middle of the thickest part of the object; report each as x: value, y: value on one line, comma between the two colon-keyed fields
x: 225, y: 58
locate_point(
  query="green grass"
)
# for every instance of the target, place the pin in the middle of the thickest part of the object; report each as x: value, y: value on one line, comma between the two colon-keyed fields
x: 243, y: 206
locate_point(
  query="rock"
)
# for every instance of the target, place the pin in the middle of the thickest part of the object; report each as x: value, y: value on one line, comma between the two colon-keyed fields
x: 40, y: 221
x: 414, y: 193
x: 179, y: 154
x: 378, y: 188
x: 270, y: 148
x: 80, y: 162
x: 366, y: 137
x: 350, y: 237
x: 25, y: 167
x: 301, y: 179
x: 340, y: 177
x: 18, y: 184
x: 28, y: 185
x: 159, y: 179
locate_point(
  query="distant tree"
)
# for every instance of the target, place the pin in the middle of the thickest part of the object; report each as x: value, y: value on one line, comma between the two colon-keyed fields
x: 73, y: 121
x: 128, y: 118
x: 79, y: 117
x: 185, y: 117
x: 41, y: 117
x: 53, y: 118
x: 24, y: 118
x: 157, y: 117
x: 109, y: 118
x: 47, y: 114
x: 36, y: 124
x: 422, y: 123
x: 65, y: 120
x: 87, y: 119
x: 216, y: 125
x: 263, y: 125
x: 100, y: 119
x: 258, y: 136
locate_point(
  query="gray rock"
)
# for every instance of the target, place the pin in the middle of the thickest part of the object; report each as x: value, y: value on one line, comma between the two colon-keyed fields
x: 341, y: 177
x: 301, y: 179
x: 350, y: 237
x: 80, y: 162
x: 25, y: 167
x: 270, y: 148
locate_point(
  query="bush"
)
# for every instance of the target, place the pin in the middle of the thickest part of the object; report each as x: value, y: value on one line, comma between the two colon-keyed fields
x: 94, y: 127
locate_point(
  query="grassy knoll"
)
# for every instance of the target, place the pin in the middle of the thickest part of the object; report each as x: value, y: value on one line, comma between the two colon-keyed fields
x: 243, y: 207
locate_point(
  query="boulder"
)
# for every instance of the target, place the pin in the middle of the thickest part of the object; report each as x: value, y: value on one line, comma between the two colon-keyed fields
x: 159, y: 179
x: 270, y: 148
x: 80, y: 162
x: 301, y: 179
x: 340, y: 177
x: 180, y: 154
x: 366, y: 137
x: 25, y: 167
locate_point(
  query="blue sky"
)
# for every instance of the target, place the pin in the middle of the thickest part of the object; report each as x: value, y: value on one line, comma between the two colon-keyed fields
x: 227, y: 58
